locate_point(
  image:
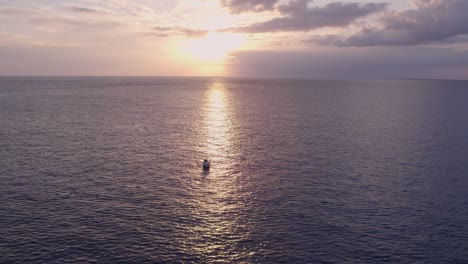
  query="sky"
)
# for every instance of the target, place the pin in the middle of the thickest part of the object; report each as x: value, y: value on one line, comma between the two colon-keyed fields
x: 319, y: 39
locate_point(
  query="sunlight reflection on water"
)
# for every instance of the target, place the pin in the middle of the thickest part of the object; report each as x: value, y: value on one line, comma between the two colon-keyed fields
x: 217, y: 126
x: 219, y: 204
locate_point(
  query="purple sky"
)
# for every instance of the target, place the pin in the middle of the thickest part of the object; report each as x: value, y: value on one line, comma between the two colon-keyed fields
x: 377, y: 39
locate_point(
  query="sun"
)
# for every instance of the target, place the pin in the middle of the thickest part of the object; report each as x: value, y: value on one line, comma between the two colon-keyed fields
x: 214, y: 47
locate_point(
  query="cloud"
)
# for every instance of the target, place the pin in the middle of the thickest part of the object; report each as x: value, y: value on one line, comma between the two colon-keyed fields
x: 47, y: 17
x: 188, y: 32
x: 299, y: 16
x: 163, y: 29
x: 430, y: 21
x: 193, y: 33
x: 75, y: 22
x: 80, y: 9
x: 14, y: 39
x: 88, y: 10
x: 352, y: 63
x: 65, y: 61
x: 239, y: 6
x: 17, y: 12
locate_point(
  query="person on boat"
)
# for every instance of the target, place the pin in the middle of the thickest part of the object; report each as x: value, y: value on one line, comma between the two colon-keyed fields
x: 206, y: 164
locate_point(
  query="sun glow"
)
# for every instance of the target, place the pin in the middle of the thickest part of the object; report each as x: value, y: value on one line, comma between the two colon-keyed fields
x: 214, y: 47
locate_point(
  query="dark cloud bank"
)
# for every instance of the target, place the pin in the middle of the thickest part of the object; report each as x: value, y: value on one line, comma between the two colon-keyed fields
x: 300, y: 16
x: 429, y: 21
x: 390, y: 48
x: 432, y: 21
x: 353, y: 63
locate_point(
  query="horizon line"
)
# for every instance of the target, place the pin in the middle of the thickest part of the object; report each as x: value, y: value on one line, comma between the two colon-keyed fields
x: 231, y: 77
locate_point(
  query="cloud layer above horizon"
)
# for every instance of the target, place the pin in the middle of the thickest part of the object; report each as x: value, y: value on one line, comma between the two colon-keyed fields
x: 315, y: 38
x: 299, y: 16
x: 431, y: 21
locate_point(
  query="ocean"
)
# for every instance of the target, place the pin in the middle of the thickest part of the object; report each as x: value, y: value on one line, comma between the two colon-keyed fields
x: 108, y: 170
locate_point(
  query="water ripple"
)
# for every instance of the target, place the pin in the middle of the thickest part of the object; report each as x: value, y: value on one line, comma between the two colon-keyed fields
x: 107, y: 170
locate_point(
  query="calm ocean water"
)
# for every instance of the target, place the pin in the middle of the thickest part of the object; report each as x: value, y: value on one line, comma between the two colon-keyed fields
x: 108, y: 170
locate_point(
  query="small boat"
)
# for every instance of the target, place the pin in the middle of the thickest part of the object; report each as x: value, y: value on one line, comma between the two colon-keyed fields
x: 206, y: 164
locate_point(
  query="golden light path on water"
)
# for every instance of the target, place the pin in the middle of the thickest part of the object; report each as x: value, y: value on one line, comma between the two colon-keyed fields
x: 217, y: 125
x: 218, y: 201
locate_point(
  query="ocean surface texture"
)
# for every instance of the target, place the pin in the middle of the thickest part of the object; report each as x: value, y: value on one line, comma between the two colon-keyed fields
x: 108, y: 170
